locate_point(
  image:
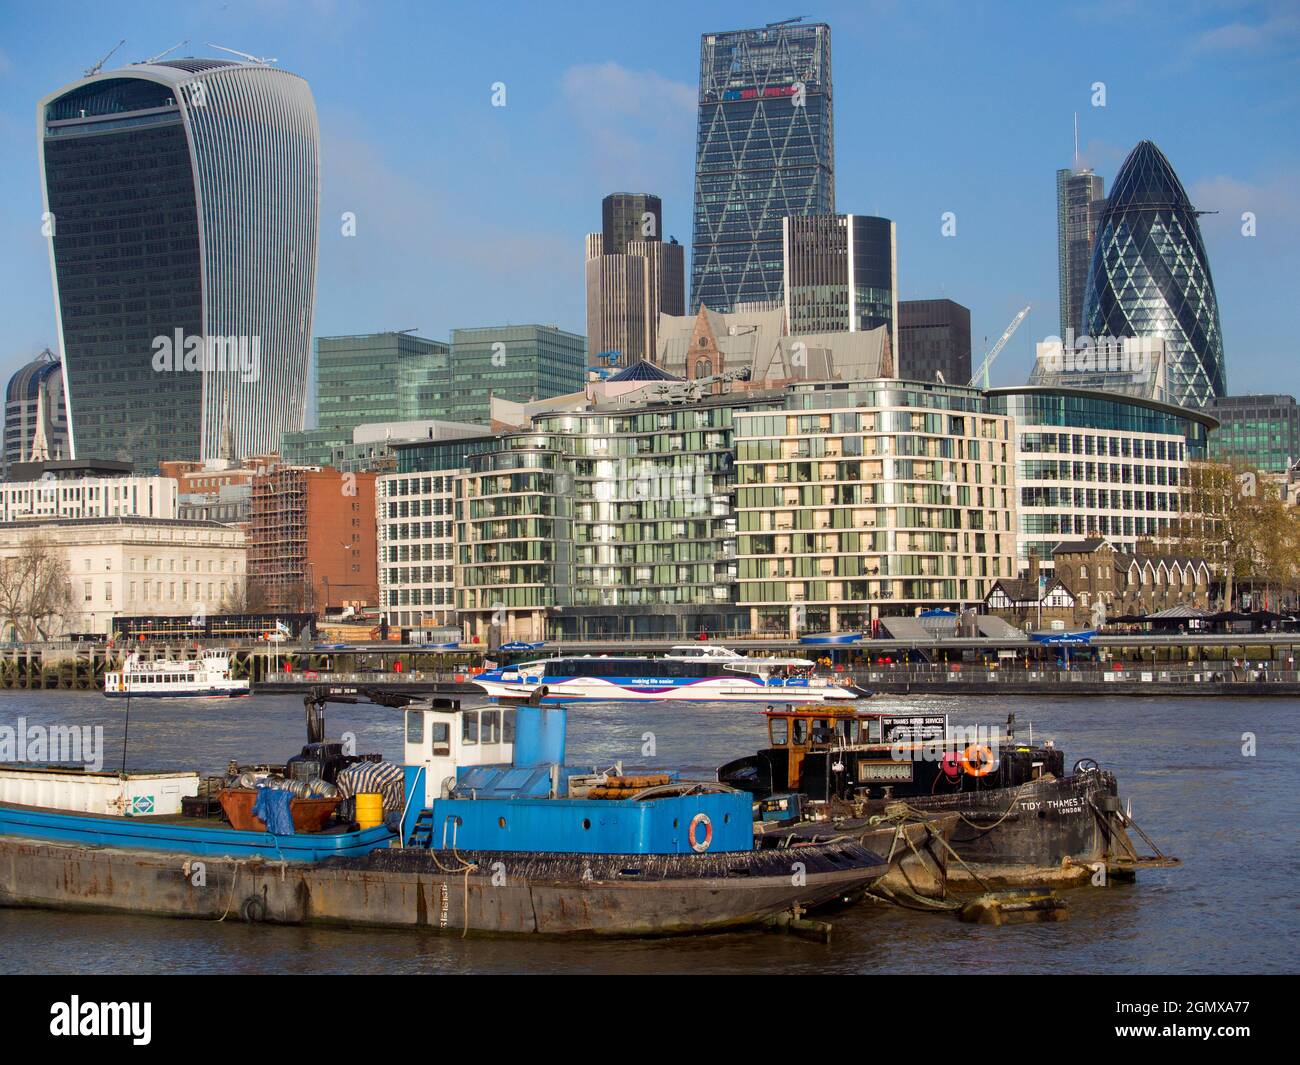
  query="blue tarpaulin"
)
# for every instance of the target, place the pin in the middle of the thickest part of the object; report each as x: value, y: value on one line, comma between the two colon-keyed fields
x: 272, y: 806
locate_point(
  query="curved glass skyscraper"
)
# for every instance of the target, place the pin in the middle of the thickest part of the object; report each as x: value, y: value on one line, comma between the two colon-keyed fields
x: 1150, y: 276
x: 182, y: 203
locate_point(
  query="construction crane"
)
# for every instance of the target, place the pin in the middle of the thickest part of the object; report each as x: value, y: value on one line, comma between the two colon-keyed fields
x: 242, y: 55
x: 100, y: 65
x: 982, y: 374
x: 168, y: 51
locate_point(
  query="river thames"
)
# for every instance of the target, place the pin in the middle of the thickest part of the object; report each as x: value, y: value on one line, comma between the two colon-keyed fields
x: 1233, y: 906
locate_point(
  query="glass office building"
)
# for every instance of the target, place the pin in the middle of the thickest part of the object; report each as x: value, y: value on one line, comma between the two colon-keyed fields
x: 182, y: 202
x: 514, y: 362
x: 1097, y: 464
x: 1150, y: 276
x: 1080, y: 200
x: 364, y: 379
x: 841, y: 274
x: 1262, y: 432
x: 764, y: 151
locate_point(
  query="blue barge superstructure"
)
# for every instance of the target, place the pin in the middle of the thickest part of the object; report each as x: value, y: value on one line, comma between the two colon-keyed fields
x: 494, y: 834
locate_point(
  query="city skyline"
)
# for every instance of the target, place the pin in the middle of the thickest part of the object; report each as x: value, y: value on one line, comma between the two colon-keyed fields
x: 611, y: 103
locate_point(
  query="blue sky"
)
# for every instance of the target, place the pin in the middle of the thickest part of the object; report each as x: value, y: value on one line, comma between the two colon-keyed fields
x: 473, y: 215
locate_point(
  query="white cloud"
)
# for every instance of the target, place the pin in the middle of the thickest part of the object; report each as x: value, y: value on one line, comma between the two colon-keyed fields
x: 639, y: 125
x: 1270, y: 34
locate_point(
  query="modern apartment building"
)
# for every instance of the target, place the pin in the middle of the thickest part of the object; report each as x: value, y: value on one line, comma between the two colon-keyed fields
x: 1094, y: 464
x: 764, y: 151
x: 866, y: 499
x: 1262, y: 432
x: 181, y: 203
x: 840, y: 274
x: 612, y: 520
x: 311, y: 539
x: 933, y: 340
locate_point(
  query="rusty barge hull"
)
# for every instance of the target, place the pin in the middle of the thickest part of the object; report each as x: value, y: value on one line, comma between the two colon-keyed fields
x: 480, y: 893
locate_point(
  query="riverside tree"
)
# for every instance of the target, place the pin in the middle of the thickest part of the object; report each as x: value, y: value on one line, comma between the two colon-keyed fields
x: 35, y: 590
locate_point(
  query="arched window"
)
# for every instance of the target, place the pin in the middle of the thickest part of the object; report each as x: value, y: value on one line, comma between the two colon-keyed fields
x: 703, y: 368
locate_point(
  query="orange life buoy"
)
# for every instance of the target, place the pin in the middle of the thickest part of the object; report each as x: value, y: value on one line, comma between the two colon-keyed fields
x: 696, y: 821
x: 984, y: 755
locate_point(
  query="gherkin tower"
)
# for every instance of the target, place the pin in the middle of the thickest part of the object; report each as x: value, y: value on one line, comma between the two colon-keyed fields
x: 1150, y: 276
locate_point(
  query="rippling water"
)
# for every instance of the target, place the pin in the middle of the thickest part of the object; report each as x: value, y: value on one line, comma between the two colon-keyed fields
x: 1231, y: 907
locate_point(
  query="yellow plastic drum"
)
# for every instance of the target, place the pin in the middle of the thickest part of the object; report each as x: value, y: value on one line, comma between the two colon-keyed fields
x: 370, y: 810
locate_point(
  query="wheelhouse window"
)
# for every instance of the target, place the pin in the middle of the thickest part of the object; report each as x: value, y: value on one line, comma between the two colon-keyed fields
x: 440, y: 738
x: 778, y: 728
x: 469, y: 727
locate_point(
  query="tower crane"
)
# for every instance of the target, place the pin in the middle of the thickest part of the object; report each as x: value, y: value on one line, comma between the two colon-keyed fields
x: 100, y: 65
x: 982, y: 374
x: 243, y: 55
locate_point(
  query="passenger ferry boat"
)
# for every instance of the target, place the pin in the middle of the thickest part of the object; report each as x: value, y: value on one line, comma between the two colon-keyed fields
x: 697, y: 674
x: 205, y: 677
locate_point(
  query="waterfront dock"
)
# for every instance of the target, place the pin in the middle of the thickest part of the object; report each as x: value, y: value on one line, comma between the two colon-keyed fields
x: 1262, y: 664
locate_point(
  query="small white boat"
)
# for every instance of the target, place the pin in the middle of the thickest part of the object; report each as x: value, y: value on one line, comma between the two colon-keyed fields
x: 694, y: 674
x: 205, y: 677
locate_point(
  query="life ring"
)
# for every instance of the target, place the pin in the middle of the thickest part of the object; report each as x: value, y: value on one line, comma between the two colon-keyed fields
x: 984, y: 754
x: 950, y: 763
x: 696, y: 821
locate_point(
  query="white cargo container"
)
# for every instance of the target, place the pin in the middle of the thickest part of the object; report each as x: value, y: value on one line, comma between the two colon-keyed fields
x: 83, y: 791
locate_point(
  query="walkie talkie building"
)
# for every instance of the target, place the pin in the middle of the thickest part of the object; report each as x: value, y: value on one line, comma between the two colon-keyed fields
x: 182, y: 205
x: 764, y: 150
x: 1150, y: 277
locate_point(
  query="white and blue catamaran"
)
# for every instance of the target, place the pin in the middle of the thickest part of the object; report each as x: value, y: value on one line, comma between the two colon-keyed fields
x: 695, y: 674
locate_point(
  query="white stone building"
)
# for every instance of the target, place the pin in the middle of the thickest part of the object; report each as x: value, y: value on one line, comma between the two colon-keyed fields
x: 138, y: 565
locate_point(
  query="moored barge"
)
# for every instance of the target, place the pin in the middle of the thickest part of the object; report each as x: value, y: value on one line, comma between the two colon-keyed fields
x: 490, y: 832
x: 1016, y: 816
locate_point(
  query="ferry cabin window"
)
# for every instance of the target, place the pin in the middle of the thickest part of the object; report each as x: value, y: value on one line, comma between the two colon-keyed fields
x: 440, y: 739
x: 778, y: 728
x: 415, y: 726
x: 469, y: 727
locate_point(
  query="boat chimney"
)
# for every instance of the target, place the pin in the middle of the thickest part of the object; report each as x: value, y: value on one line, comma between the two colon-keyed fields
x: 539, y: 736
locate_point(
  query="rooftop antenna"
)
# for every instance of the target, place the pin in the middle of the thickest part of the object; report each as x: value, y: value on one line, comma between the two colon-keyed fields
x: 243, y: 55
x: 100, y: 65
x: 1076, y: 141
x: 168, y: 51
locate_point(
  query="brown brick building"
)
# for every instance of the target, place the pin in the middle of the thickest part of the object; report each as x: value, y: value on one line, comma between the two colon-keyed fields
x: 1096, y: 571
x: 311, y: 539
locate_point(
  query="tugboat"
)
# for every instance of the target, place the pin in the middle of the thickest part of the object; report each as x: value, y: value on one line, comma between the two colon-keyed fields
x: 1017, y: 817
x: 488, y: 831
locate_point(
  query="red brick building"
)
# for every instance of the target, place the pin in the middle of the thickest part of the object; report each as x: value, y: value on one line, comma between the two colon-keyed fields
x: 311, y: 539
